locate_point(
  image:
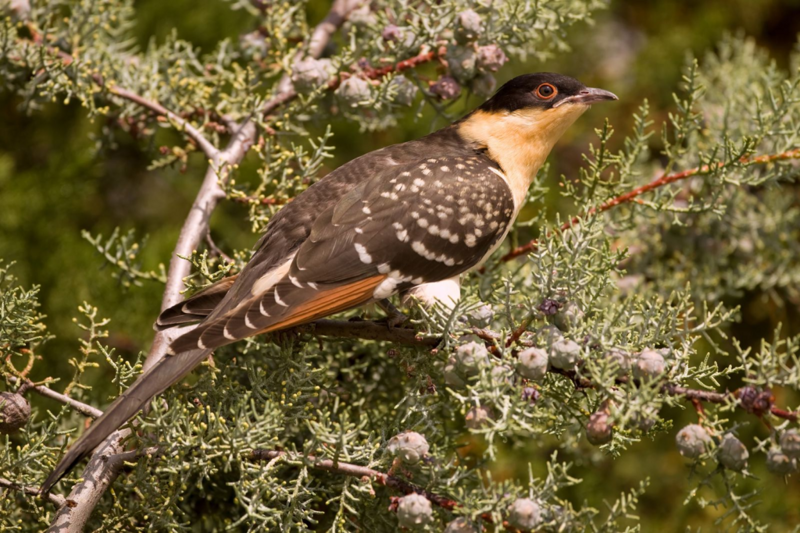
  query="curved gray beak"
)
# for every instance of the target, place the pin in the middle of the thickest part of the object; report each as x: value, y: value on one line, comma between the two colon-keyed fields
x: 588, y: 96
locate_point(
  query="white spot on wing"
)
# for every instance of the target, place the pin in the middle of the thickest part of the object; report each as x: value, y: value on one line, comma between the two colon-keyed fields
x: 227, y: 335
x: 278, y: 298
x: 248, y: 323
x: 365, y: 257
x: 295, y: 281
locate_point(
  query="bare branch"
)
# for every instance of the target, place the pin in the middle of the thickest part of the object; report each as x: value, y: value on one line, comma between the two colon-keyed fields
x: 99, y: 474
x: 56, y: 499
x: 47, y: 392
x: 185, y: 126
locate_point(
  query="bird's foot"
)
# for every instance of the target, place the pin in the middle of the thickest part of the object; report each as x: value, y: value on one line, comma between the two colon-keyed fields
x: 393, y: 315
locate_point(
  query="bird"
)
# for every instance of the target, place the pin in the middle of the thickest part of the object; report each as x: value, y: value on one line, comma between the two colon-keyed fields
x: 410, y: 218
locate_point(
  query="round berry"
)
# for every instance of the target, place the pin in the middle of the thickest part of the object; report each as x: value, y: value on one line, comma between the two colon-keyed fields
x: 406, y: 90
x: 446, y: 88
x: 453, y: 377
x: 568, y: 316
x: 414, y: 510
x: 598, y: 429
x: 354, y: 91
x: 409, y: 446
x: 461, y: 525
x: 780, y: 463
x: 14, y: 412
x: 525, y: 514
x: 650, y: 364
x: 483, y: 85
x: 478, y: 417
x: 549, y: 334
x: 790, y: 443
x: 693, y: 441
x: 532, y: 363
x: 621, y: 359
x: 461, y: 62
x: 564, y: 354
x: 481, y: 317
x: 468, y: 26
x: 491, y: 58
x: 470, y: 357
x: 732, y: 453
x: 309, y: 74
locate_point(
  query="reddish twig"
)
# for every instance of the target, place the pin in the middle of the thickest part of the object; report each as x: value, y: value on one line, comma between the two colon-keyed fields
x: 665, y: 179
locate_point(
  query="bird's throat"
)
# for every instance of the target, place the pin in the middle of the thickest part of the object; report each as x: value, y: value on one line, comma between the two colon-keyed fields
x: 520, y: 141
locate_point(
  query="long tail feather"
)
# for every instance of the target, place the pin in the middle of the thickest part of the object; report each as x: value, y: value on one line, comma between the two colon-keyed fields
x: 153, y: 382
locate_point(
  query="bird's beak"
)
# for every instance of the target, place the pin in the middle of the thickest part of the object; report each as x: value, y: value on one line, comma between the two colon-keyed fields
x: 588, y: 96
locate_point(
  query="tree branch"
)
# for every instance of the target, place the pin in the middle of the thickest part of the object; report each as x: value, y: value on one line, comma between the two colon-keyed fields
x: 665, y: 179
x: 47, y: 392
x: 181, y: 124
x: 56, y: 499
x: 349, y: 469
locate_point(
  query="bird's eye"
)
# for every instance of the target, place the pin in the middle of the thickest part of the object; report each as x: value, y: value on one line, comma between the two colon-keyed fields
x: 546, y: 91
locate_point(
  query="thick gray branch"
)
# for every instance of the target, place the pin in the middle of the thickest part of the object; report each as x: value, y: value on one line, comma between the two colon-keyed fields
x: 47, y: 392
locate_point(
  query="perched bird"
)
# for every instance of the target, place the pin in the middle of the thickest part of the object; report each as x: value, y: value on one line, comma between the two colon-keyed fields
x: 410, y: 217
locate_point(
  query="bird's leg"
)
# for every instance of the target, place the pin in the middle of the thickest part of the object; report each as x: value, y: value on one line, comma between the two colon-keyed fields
x: 393, y: 315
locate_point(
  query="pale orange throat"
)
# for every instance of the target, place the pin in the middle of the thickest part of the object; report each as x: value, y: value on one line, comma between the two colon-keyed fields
x: 519, y: 141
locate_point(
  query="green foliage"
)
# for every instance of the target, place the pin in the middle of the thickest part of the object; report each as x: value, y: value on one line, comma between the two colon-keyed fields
x: 659, y: 275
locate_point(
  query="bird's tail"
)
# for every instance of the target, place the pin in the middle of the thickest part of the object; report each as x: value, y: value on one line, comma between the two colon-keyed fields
x: 153, y: 382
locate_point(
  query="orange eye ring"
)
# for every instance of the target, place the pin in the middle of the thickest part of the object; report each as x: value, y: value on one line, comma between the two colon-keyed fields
x: 546, y: 91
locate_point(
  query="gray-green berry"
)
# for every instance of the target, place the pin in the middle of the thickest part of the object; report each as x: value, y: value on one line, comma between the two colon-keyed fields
x: 732, y: 454
x: 790, y: 443
x: 461, y: 525
x: 309, y: 74
x: 453, y: 377
x: 549, y: 334
x: 483, y: 85
x: 413, y: 511
x: 568, y: 316
x: 693, y: 441
x: 621, y: 359
x: 462, y: 63
x: 354, y: 91
x: 470, y: 357
x: 481, y: 317
x: 650, y: 364
x: 525, y: 514
x: 478, y: 417
x: 406, y: 91
x: 780, y: 463
x: 468, y: 26
x: 598, y: 429
x: 14, y: 412
x: 408, y: 446
x: 447, y: 88
x: 532, y: 363
x: 564, y: 354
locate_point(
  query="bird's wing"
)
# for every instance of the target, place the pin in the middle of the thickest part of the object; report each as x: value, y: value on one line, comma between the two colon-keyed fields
x: 196, y: 307
x: 410, y: 224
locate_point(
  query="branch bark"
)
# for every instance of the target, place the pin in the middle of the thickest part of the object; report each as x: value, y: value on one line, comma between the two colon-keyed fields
x: 47, y: 392
x: 56, y: 499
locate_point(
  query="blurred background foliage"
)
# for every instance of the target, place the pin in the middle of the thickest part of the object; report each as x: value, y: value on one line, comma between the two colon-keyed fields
x: 55, y: 182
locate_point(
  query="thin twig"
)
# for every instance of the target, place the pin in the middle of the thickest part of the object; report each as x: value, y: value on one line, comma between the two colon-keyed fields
x: 47, y: 392
x: 57, y: 499
x: 349, y: 469
x: 665, y: 179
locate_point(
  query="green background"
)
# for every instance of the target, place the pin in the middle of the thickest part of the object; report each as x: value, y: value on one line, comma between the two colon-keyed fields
x: 54, y: 182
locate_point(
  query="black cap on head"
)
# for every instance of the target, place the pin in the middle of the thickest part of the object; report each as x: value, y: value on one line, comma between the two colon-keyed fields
x: 544, y: 90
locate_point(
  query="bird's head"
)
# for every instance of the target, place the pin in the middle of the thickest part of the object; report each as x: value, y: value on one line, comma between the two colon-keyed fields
x: 544, y: 94
x: 519, y: 125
